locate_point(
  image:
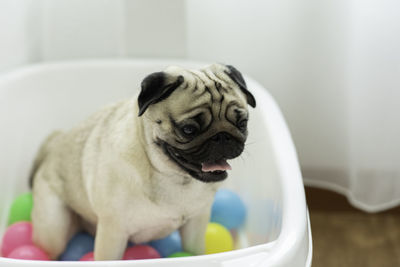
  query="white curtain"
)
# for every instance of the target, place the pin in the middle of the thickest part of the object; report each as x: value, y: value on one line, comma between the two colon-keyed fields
x: 374, y: 109
x: 333, y: 66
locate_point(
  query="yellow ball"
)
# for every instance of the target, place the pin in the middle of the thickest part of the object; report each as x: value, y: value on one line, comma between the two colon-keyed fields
x: 218, y: 239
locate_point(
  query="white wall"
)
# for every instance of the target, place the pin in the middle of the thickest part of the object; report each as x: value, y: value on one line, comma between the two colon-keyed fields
x: 17, y: 43
x: 156, y: 28
x: 112, y: 28
x: 78, y: 29
x: 47, y: 30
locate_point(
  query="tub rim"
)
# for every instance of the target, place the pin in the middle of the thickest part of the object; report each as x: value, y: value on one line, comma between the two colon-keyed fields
x: 295, y: 229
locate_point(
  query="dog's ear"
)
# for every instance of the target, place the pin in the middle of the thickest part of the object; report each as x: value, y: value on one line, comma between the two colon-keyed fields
x: 157, y: 87
x: 237, y: 77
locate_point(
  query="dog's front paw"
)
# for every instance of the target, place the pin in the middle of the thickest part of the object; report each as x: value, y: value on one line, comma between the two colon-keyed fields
x: 111, y: 240
x: 193, y: 234
x: 196, y: 248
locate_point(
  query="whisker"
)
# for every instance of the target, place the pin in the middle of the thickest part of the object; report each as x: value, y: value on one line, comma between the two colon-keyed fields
x: 242, y: 158
x: 248, y: 154
x: 252, y: 142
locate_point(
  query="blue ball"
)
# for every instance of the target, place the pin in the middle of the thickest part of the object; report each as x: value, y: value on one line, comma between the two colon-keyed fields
x: 228, y: 209
x: 79, y: 245
x: 168, y: 245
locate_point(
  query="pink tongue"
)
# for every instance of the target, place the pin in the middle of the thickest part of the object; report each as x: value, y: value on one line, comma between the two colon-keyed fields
x: 220, y: 165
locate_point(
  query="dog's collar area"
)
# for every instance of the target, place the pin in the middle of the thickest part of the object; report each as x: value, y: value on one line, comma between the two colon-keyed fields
x: 213, y: 171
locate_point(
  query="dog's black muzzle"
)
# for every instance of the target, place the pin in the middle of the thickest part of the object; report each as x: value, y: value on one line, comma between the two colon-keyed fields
x: 222, y: 145
x: 219, y: 148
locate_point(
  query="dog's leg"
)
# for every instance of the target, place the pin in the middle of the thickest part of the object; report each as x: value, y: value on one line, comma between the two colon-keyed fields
x: 53, y: 222
x: 111, y: 240
x: 193, y: 234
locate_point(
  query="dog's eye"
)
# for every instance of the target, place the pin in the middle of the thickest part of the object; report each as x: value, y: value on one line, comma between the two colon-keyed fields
x: 242, y: 125
x: 189, y: 130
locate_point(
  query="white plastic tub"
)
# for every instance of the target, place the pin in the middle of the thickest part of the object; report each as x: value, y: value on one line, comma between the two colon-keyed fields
x: 38, y: 99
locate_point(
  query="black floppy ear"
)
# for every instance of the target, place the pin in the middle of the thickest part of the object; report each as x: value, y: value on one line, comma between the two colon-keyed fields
x: 237, y: 77
x: 157, y: 87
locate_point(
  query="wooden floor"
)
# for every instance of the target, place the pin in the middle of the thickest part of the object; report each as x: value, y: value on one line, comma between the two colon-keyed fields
x: 346, y: 237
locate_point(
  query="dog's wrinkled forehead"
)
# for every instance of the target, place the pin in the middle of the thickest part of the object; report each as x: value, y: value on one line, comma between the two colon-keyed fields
x: 208, y: 88
x: 211, y: 86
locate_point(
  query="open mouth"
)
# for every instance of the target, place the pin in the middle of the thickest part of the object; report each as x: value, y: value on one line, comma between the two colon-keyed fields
x: 220, y: 165
x: 210, y: 171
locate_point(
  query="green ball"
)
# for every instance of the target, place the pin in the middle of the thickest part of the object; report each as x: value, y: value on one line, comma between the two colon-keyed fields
x: 21, y: 209
x: 180, y: 254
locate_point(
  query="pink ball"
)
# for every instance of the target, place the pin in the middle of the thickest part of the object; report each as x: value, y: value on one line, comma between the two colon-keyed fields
x: 141, y: 252
x: 16, y: 235
x: 88, y: 257
x: 28, y: 252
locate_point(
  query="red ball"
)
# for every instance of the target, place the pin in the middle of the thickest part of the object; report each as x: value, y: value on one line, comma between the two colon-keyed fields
x: 29, y: 252
x: 16, y: 235
x: 88, y: 257
x: 141, y: 252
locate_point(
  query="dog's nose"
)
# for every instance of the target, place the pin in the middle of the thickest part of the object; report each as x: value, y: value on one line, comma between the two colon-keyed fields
x: 221, y: 138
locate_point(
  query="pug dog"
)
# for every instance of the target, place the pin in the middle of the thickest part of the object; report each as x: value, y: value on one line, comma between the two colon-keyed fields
x: 142, y: 168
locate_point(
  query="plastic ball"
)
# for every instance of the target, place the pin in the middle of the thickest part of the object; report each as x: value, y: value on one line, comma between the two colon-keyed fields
x: 228, y: 209
x: 21, y: 209
x: 140, y: 252
x: 180, y: 254
x: 168, y: 245
x: 16, y: 235
x: 218, y: 239
x: 88, y: 257
x: 29, y: 252
x: 77, y: 247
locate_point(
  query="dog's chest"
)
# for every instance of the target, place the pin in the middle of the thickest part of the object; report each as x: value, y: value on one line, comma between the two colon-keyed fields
x: 167, y: 207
